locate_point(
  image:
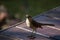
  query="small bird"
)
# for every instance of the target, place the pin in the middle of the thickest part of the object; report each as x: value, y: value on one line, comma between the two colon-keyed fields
x: 30, y: 22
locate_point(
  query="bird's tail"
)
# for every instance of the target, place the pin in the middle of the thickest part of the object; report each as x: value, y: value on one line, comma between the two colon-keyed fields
x: 48, y: 24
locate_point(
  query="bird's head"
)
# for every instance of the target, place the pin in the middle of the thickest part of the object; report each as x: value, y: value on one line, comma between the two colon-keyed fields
x: 28, y: 16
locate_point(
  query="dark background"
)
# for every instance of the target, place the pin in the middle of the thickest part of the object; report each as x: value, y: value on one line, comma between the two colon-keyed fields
x: 32, y: 7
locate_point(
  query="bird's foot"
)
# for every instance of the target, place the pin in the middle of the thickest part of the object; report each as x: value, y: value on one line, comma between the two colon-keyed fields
x: 31, y: 37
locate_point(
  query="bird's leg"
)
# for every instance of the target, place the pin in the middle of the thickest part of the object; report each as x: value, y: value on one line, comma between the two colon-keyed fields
x: 33, y: 32
x: 32, y: 36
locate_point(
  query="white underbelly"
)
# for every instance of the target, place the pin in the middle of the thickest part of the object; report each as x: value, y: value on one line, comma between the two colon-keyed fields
x: 27, y: 23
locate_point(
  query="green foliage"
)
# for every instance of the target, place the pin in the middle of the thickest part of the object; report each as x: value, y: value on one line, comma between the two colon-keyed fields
x: 32, y: 7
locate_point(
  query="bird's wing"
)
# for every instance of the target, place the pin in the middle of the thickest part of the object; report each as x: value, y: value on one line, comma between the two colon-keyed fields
x: 36, y: 24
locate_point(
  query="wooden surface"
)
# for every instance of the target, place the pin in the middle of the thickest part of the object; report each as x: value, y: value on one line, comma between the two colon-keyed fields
x: 16, y: 33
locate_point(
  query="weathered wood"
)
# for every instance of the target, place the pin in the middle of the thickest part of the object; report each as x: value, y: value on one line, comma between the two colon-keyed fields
x: 50, y: 31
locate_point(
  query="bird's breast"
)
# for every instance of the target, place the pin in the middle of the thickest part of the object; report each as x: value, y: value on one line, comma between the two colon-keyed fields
x: 27, y: 22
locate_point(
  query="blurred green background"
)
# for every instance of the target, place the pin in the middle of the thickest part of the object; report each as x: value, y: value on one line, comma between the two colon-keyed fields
x: 18, y: 8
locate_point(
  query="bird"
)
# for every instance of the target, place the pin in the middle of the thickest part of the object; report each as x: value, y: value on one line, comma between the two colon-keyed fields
x: 31, y: 23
